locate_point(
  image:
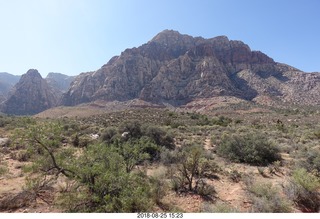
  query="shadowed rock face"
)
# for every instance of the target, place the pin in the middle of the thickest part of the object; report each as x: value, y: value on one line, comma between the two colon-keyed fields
x: 30, y: 95
x: 59, y: 83
x: 7, y: 81
x: 176, y: 69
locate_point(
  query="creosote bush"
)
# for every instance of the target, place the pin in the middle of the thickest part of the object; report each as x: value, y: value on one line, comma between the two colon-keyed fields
x: 303, y: 190
x: 267, y: 199
x: 251, y: 148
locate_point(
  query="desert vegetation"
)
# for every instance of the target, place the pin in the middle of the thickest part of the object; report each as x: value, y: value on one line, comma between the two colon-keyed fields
x: 142, y: 160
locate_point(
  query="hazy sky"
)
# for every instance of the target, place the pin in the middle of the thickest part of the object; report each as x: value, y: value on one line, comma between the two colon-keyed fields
x: 74, y: 36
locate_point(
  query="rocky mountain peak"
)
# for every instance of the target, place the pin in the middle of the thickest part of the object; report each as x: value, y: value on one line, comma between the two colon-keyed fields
x: 33, y: 73
x: 30, y: 95
x: 176, y: 68
x: 172, y: 38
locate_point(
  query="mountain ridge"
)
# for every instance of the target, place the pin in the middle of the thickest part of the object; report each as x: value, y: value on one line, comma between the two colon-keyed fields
x: 177, y: 68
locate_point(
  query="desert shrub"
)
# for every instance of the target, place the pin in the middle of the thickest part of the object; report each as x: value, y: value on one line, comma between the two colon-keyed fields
x: 174, y: 124
x: 132, y: 127
x: 251, y: 148
x: 2, y: 122
x: 317, y: 134
x: 43, y: 141
x: 150, y: 148
x: 194, y: 115
x: 191, y: 169
x: 76, y: 141
x: 303, y: 190
x: 23, y: 156
x: 106, y: 185
x: 3, y: 169
x: 159, y: 136
x: 101, y: 173
x: 235, y: 176
x: 203, y: 120
x: 238, y: 121
x: 205, y: 190
x: 108, y: 135
x: 281, y: 127
x: 84, y: 141
x: 267, y: 199
x: 160, y: 188
x: 219, y: 207
x: 168, y: 157
x: 261, y: 171
x: 135, y: 151
x: 311, y: 162
x: 222, y: 121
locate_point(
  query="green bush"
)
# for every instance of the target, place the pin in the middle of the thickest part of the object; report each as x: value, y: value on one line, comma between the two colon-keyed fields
x: 132, y: 127
x: 84, y: 141
x: 303, y: 190
x: 235, y: 176
x: 251, y: 148
x: 108, y: 135
x: 205, y: 190
x: 132, y: 152
x: 159, y: 136
x: 23, y: 156
x: 222, y: 121
x: 76, y: 141
x: 3, y: 170
x: 106, y: 185
x: 191, y: 169
x: 168, y: 157
x: 267, y: 199
x: 219, y: 207
x: 312, y: 161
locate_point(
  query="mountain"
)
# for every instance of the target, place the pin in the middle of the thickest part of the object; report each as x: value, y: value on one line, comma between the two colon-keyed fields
x: 176, y: 69
x: 30, y: 95
x: 7, y: 81
x: 60, y: 83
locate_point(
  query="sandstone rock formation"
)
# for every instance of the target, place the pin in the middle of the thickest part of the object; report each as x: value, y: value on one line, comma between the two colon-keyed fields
x: 176, y: 69
x: 30, y: 95
x: 60, y: 83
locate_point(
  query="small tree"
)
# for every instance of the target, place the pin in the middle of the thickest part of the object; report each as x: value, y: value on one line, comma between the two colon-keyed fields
x: 193, y: 167
x: 44, y: 141
x: 132, y: 152
x: 102, y: 176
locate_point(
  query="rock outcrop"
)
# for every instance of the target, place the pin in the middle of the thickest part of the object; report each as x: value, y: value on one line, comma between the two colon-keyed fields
x: 30, y: 95
x: 60, y: 83
x: 176, y: 69
x: 7, y: 81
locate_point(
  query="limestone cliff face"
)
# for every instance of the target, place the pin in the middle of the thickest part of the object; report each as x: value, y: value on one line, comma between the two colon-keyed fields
x: 30, y: 95
x: 175, y: 68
